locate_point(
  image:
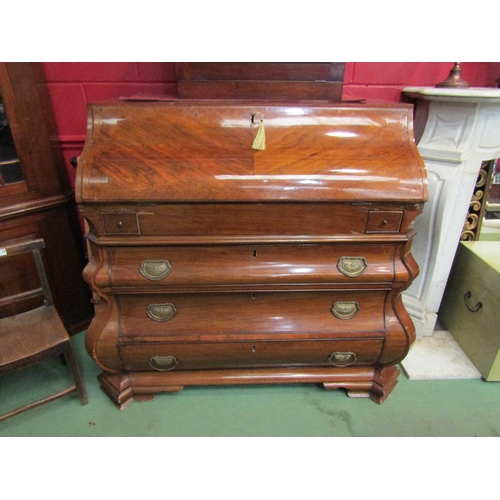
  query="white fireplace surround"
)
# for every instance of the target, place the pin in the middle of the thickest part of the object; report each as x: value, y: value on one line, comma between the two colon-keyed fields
x: 456, y: 130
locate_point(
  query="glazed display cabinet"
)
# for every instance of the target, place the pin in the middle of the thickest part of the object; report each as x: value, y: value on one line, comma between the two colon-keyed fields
x: 36, y: 199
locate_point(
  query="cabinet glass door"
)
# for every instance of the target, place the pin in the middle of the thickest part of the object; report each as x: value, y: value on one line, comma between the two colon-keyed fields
x: 10, y: 166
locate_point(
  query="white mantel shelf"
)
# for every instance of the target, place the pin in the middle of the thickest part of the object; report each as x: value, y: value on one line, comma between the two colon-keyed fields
x: 472, y: 94
x: 456, y: 129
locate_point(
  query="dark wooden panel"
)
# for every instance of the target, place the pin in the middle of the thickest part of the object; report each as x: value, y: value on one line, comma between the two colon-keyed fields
x: 271, y: 90
x: 268, y: 81
x: 308, y: 72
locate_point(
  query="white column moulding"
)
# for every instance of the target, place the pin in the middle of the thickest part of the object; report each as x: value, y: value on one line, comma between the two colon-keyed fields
x: 461, y: 129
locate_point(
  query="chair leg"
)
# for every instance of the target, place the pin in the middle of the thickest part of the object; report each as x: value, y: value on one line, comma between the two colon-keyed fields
x: 37, y: 403
x: 69, y: 356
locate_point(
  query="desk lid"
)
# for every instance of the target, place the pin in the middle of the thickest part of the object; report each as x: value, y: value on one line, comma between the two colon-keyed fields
x: 195, y: 151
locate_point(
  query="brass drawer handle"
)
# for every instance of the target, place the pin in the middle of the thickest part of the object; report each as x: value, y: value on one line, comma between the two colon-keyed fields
x: 161, y: 312
x: 345, y: 310
x: 155, y: 269
x: 342, y: 358
x: 474, y: 309
x: 352, y: 266
x: 163, y: 363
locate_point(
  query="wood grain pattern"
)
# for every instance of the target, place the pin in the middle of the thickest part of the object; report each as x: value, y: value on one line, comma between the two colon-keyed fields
x: 370, y: 382
x: 219, y: 222
x: 322, y: 153
x: 227, y: 266
x: 244, y: 248
x: 230, y: 315
x: 255, y: 354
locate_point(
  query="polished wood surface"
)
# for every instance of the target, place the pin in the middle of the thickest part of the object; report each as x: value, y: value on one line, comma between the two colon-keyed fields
x: 256, y: 354
x: 199, y: 152
x: 371, y: 382
x: 216, y: 222
x: 42, y: 204
x: 259, y: 315
x: 242, y: 265
x: 216, y: 263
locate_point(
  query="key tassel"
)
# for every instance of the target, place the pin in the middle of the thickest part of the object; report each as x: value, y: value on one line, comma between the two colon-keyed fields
x: 260, y: 139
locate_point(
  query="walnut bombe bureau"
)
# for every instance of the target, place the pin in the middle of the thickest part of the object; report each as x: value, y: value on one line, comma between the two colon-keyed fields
x: 216, y: 263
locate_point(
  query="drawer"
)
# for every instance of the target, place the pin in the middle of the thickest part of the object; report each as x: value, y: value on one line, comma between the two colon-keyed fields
x: 384, y: 221
x: 228, y: 316
x: 251, y: 264
x: 244, y: 220
x: 120, y: 222
x: 216, y: 355
x: 240, y: 219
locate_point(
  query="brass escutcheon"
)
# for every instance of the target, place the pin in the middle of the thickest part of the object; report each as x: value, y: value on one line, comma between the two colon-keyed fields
x: 352, y: 266
x: 345, y: 310
x: 342, y: 358
x: 155, y: 269
x: 161, y: 312
x: 163, y: 363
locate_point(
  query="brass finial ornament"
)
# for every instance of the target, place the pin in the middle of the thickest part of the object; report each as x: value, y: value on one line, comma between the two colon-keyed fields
x: 454, y: 79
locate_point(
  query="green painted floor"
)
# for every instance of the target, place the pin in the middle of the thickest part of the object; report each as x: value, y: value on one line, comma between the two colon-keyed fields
x: 415, y: 408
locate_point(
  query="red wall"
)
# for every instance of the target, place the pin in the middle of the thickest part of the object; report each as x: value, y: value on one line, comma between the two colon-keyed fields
x: 72, y: 85
x: 384, y: 81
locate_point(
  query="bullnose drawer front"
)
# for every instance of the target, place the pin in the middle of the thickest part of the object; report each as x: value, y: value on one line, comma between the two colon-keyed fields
x: 224, y: 315
x: 179, y: 356
x: 251, y: 264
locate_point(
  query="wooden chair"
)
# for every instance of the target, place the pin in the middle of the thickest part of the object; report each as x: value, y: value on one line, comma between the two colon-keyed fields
x: 33, y: 336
